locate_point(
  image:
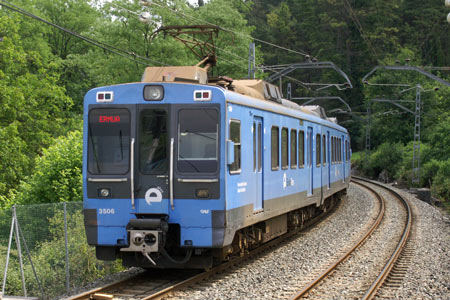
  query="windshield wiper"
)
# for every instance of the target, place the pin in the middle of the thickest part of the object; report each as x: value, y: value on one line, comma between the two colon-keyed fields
x: 190, y: 163
x: 94, y: 149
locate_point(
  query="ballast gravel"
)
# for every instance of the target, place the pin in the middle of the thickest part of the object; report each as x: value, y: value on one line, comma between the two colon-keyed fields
x: 428, y: 275
x: 275, y: 274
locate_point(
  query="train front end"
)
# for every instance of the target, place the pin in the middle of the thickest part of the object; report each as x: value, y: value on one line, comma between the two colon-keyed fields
x: 153, y: 186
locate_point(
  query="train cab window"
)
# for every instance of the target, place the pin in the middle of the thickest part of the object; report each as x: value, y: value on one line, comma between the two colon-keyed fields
x: 109, y: 141
x: 293, y: 149
x: 274, y: 148
x: 153, y: 141
x: 318, y: 161
x: 198, y: 140
x: 301, y: 149
x: 324, y: 149
x: 235, y: 136
x: 284, y: 149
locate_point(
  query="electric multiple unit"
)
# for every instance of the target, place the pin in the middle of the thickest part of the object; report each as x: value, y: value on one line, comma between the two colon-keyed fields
x: 181, y: 172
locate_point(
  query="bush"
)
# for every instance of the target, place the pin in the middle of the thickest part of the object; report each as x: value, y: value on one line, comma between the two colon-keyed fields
x: 441, y: 182
x: 58, y: 173
x: 404, y: 171
x: 48, y: 255
x: 386, y: 159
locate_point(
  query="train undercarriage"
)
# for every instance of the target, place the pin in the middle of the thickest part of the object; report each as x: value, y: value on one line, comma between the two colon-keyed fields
x: 169, y: 255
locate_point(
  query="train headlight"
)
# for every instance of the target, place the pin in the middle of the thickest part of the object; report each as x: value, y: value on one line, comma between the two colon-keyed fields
x: 104, y: 192
x: 153, y: 92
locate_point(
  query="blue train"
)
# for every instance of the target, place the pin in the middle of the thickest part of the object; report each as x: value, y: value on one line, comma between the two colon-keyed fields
x: 182, y: 171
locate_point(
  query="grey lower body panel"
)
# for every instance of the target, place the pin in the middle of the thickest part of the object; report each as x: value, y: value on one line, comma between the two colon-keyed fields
x: 244, y: 216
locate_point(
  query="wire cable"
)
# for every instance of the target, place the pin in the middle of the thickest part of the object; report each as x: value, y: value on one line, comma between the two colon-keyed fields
x: 104, y: 46
x: 221, y: 49
x: 358, y: 25
x: 227, y: 30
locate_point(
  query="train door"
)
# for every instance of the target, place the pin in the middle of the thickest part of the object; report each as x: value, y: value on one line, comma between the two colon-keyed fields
x: 257, y: 163
x: 309, y: 157
x: 150, y: 158
x: 343, y: 158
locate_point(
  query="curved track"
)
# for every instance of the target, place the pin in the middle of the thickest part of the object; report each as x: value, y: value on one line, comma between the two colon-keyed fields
x: 387, y: 269
x: 389, y: 266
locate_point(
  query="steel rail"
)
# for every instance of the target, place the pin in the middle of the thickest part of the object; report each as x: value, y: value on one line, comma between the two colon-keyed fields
x: 314, y: 283
x: 237, y: 260
x: 203, y: 275
x: 372, y: 291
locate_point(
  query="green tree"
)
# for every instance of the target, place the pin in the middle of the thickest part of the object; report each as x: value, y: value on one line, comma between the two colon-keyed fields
x: 32, y: 105
x: 57, y: 176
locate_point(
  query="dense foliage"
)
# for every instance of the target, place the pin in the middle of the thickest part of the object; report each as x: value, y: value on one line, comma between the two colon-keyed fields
x: 45, y: 73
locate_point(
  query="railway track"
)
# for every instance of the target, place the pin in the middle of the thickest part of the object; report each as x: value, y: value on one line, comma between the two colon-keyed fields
x: 148, y: 286
x: 391, y: 273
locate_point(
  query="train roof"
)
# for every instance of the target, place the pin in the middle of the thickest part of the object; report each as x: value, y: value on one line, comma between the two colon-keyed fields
x: 254, y: 88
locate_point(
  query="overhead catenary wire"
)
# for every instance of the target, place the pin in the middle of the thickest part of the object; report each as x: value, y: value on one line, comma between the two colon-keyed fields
x: 216, y: 47
x: 358, y: 25
x: 124, y: 53
x: 226, y: 29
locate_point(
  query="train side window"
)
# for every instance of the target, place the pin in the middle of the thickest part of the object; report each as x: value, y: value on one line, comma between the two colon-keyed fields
x: 301, y: 149
x: 339, y: 150
x: 284, y: 149
x: 318, y: 161
x: 254, y: 146
x: 332, y: 149
x: 293, y: 149
x: 324, y: 149
x: 274, y: 148
x: 235, y: 136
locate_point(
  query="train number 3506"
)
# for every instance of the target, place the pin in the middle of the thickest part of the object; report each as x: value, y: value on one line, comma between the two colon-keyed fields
x: 106, y: 211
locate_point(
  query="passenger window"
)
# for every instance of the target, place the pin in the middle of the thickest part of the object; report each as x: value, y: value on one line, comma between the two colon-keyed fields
x: 275, y: 144
x: 318, y: 162
x: 301, y: 149
x: 235, y: 136
x: 254, y: 147
x: 339, y: 150
x: 284, y: 149
x: 333, y: 150
x: 293, y: 149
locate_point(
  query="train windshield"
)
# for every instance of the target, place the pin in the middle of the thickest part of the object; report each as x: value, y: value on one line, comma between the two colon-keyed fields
x: 198, y: 140
x: 109, y: 141
x: 153, y: 141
